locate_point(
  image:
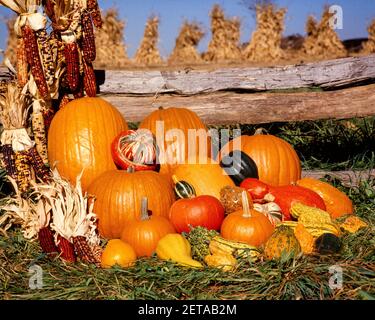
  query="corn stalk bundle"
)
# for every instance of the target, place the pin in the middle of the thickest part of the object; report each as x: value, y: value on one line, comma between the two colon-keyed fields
x: 110, y: 47
x: 12, y: 42
x: 224, y: 45
x: 369, y: 46
x: 148, y: 52
x: 322, y: 42
x: 185, y: 50
x: 265, y: 44
x: 19, y: 154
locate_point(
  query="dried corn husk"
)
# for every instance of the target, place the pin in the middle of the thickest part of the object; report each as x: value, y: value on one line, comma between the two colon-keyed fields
x: 110, y: 47
x: 265, y: 44
x: 322, y: 42
x: 224, y: 45
x: 369, y: 46
x: 185, y: 50
x: 148, y: 52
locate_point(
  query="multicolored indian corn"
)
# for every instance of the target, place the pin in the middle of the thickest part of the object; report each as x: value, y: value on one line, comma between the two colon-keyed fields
x: 72, y: 66
x: 8, y: 159
x: 22, y: 67
x: 88, y: 38
x: 89, y: 79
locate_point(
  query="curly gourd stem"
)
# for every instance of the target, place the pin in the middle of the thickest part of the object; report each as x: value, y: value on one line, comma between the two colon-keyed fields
x: 144, y: 209
x: 245, y: 205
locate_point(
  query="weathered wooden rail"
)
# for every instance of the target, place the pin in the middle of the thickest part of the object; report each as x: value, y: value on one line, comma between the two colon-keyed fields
x: 342, y: 88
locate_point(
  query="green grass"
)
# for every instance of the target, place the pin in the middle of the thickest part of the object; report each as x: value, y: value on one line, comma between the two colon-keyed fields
x: 305, y: 277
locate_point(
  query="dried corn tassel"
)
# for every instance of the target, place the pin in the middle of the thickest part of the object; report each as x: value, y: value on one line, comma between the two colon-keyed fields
x: 72, y: 66
x: 46, y: 241
x: 23, y: 170
x: 66, y: 249
x: 38, y: 165
x: 40, y: 137
x: 45, y: 50
x: 84, y: 251
x: 89, y: 79
x: 8, y: 159
x: 92, y: 6
x: 88, y: 38
x: 33, y: 59
x: 22, y: 68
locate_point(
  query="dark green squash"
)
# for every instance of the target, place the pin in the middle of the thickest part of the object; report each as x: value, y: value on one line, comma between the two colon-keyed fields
x: 183, y: 189
x: 328, y: 243
x: 239, y: 166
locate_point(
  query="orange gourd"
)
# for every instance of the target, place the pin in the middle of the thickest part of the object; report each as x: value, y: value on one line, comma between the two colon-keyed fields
x: 277, y: 162
x: 337, y: 203
x: 247, y: 225
x: 119, y: 253
x: 80, y: 137
x: 206, y: 179
x: 174, y: 118
x: 144, y: 234
x: 118, y: 196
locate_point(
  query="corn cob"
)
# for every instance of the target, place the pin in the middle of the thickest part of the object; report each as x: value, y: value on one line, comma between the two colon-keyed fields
x: 41, y: 171
x: 66, y: 249
x: 72, y: 66
x: 46, y: 241
x: 8, y: 159
x: 45, y: 51
x: 89, y: 79
x: 84, y: 251
x: 49, y: 6
x: 23, y: 170
x: 48, y: 115
x: 88, y: 39
x: 22, y: 68
x: 64, y: 101
x: 40, y: 137
x: 33, y: 59
x: 79, y: 93
x: 92, y: 6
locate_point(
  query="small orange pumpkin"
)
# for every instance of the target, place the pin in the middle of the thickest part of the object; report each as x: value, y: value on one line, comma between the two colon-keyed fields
x: 247, y: 225
x: 118, y: 252
x: 337, y: 203
x: 144, y: 234
x: 277, y: 162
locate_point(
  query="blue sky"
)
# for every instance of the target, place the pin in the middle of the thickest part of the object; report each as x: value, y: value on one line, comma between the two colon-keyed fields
x: 357, y: 16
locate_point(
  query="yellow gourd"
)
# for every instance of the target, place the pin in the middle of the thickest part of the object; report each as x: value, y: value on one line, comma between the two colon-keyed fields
x: 305, y: 238
x: 223, y: 261
x: 219, y: 245
x: 176, y: 248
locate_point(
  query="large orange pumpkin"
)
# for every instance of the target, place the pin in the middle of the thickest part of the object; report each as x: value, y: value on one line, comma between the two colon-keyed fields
x: 80, y: 137
x: 278, y: 163
x: 206, y: 179
x: 118, y: 196
x: 337, y: 202
x: 174, y: 148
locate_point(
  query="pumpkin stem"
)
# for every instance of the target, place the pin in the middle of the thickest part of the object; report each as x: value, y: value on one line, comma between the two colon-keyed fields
x: 245, y: 205
x: 144, y: 209
x: 260, y: 131
x: 175, y: 180
x: 130, y: 169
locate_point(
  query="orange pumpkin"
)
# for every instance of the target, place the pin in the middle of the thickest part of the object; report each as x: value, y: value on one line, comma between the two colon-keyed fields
x: 119, y: 253
x: 118, y: 196
x: 144, y: 234
x: 175, y: 149
x: 247, y: 225
x: 206, y: 179
x: 277, y: 162
x: 337, y: 203
x: 80, y: 137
